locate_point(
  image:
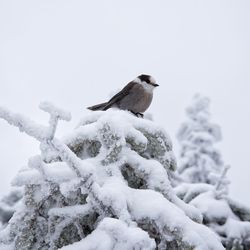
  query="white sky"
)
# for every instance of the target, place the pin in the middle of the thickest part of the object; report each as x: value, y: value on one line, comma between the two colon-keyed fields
x: 75, y: 52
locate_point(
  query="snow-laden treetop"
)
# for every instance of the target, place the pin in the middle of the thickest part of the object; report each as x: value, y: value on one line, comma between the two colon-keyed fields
x: 197, y: 136
x: 105, y: 186
x: 199, y: 116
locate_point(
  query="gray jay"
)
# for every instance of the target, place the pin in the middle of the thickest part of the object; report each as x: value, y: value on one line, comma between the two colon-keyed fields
x: 136, y: 96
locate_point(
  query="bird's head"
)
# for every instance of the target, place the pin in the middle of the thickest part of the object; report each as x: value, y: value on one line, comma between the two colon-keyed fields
x: 147, y: 81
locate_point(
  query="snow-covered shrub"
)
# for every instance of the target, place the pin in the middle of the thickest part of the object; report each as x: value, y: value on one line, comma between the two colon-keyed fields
x: 198, y: 157
x: 103, y: 186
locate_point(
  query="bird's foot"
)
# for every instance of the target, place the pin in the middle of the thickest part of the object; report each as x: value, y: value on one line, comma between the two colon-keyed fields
x: 137, y: 114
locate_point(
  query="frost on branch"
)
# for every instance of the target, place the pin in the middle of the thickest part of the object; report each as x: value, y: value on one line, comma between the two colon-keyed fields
x: 105, y: 185
x: 8, y: 205
x: 198, y: 158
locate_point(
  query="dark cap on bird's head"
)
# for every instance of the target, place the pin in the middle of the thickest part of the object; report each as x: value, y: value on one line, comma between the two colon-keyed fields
x: 148, y: 79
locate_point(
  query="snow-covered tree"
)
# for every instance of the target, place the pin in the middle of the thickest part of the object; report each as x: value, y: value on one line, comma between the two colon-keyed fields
x: 104, y: 186
x: 197, y: 136
x: 203, y: 182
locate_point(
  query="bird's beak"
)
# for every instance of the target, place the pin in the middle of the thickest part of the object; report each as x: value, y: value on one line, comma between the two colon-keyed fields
x: 155, y: 85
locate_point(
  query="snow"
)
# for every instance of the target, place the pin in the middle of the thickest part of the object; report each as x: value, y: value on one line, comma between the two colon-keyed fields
x: 105, y: 182
x: 56, y: 172
x: 8, y: 205
x: 70, y: 211
x: 237, y: 229
x: 212, y: 208
x: 188, y: 191
x: 24, y: 124
x: 114, y: 234
x: 55, y: 111
x: 37, y: 131
x: 223, y: 215
x: 240, y: 209
x: 6, y: 247
x: 146, y: 204
x: 4, y: 234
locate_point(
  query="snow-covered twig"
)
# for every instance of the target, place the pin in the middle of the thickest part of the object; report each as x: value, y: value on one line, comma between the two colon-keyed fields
x: 55, y: 115
x: 24, y: 124
x: 222, y: 178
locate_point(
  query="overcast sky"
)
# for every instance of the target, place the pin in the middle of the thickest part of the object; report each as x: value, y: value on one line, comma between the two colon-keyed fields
x: 75, y: 52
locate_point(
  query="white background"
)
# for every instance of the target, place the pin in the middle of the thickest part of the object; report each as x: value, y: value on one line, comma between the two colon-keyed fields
x: 74, y: 53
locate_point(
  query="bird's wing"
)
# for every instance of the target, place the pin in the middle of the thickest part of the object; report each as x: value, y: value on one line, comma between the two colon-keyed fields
x: 120, y: 95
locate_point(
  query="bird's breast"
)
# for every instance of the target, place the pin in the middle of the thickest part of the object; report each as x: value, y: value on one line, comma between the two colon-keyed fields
x: 144, y: 102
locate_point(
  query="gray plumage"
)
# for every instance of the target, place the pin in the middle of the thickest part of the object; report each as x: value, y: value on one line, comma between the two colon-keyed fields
x: 136, y: 96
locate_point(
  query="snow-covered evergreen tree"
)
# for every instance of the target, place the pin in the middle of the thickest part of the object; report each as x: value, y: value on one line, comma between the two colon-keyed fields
x: 104, y: 186
x: 203, y: 182
x: 197, y: 136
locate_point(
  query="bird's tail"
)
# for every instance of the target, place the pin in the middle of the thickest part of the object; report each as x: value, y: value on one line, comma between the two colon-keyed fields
x: 100, y: 106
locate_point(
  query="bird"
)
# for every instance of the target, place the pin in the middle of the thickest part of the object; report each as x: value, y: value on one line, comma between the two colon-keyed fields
x: 135, y: 97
